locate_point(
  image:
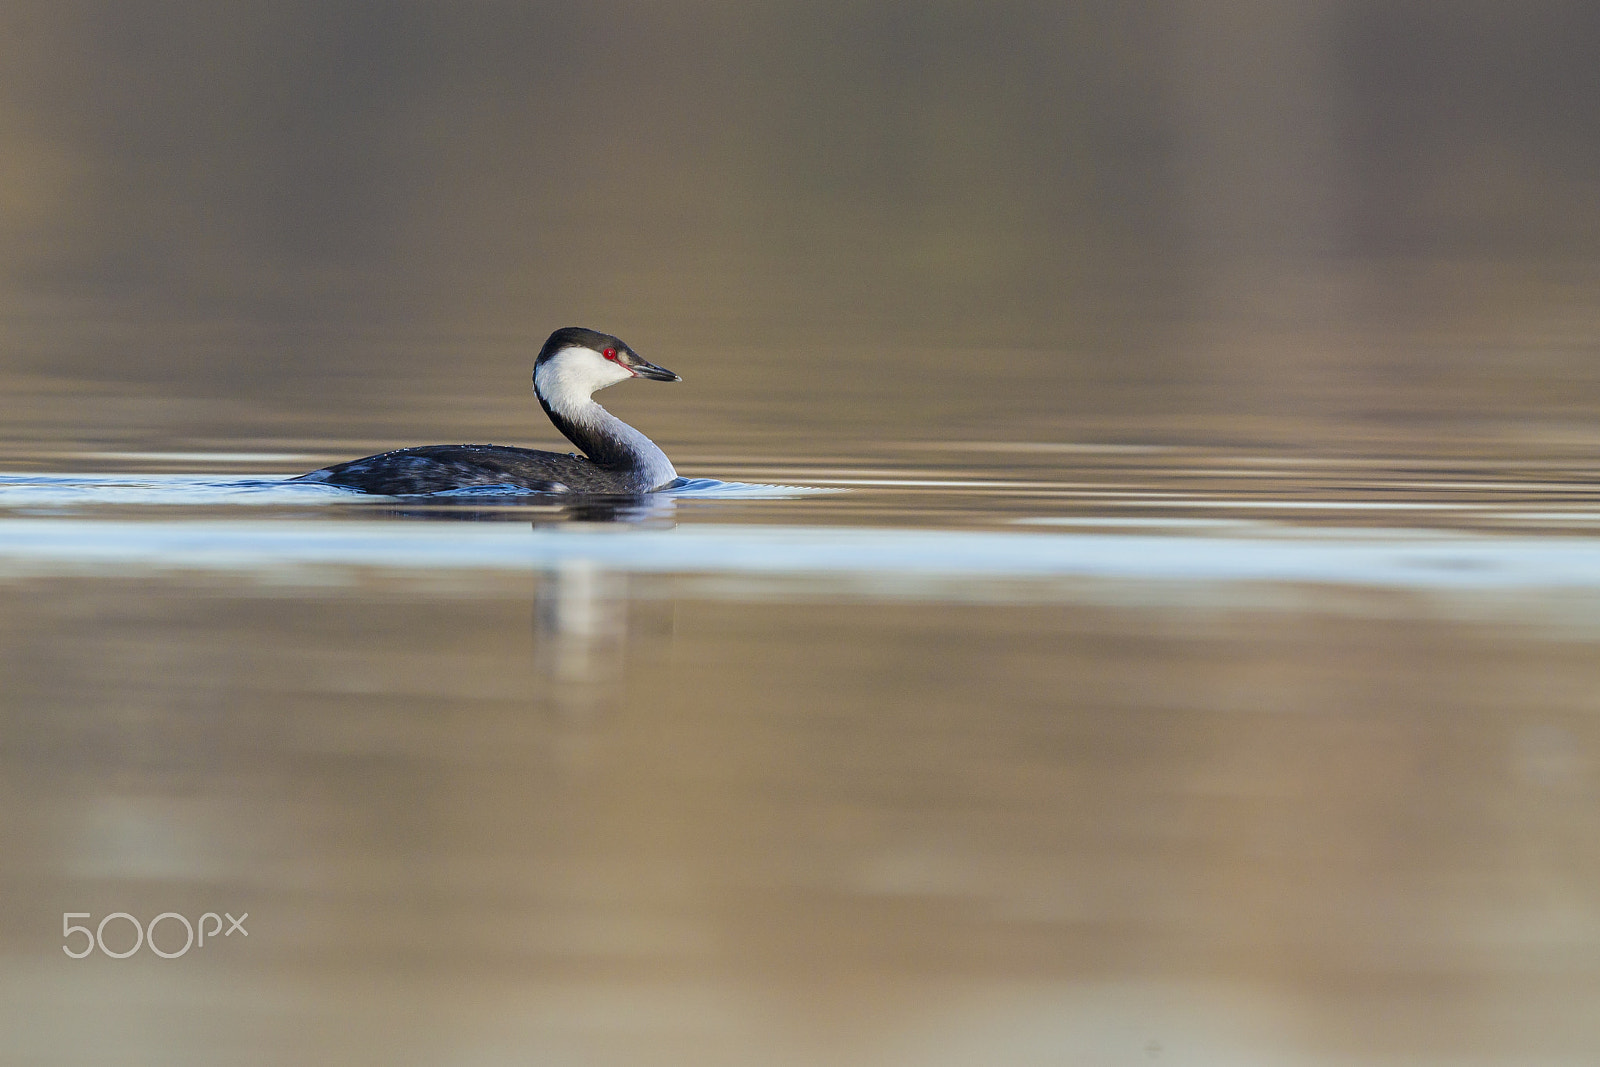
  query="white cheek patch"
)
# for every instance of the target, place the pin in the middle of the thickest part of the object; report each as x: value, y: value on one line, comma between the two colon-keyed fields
x: 570, y: 377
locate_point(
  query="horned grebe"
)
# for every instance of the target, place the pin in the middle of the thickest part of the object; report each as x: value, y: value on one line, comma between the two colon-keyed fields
x: 572, y: 366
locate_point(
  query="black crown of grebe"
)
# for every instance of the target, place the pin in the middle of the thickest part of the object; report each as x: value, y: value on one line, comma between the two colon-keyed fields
x: 573, y: 365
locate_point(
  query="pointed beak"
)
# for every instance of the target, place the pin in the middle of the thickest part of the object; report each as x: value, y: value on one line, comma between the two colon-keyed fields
x: 646, y: 369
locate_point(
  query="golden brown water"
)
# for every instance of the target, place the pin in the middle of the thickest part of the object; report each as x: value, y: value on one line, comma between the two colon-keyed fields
x: 1106, y: 785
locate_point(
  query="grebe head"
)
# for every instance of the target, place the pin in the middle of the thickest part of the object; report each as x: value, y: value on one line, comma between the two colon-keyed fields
x: 575, y: 363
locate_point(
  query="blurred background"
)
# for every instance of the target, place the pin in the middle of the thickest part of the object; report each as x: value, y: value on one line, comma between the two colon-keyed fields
x: 1171, y: 279
x: 875, y: 220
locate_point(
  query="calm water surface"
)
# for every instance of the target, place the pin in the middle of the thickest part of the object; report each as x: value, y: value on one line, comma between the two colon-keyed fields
x: 1136, y: 600
x: 967, y: 751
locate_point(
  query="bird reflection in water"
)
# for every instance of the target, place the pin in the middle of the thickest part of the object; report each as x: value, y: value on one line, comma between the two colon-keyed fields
x: 581, y: 611
x: 580, y: 635
x: 549, y: 509
x: 585, y: 612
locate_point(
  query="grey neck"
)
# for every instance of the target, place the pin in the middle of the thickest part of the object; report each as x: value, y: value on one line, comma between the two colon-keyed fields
x: 611, y: 443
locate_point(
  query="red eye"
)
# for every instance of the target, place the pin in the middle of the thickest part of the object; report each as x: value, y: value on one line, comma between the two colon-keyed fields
x: 611, y: 354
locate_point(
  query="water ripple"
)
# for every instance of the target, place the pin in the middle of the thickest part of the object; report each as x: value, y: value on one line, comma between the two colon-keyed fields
x: 868, y: 554
x: 21, y: 491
